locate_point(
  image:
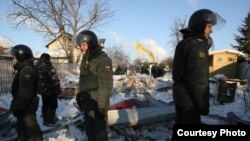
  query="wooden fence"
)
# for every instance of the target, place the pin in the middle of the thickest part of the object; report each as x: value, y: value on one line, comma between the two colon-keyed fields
x: 6, y: 73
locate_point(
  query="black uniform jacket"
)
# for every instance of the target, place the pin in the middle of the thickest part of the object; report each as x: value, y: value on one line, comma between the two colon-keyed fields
x: 191, y: 72
x: 24, y: 88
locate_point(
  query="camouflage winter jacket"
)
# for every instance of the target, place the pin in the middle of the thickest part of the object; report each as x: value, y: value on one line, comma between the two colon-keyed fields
x: 48, y: 80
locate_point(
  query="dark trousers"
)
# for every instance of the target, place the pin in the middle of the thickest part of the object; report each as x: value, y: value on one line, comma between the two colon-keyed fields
x: 49, y: 115
x: 187, y: 115
x: 96, y: 128
x: 49, y: 109
x: 28, y: 128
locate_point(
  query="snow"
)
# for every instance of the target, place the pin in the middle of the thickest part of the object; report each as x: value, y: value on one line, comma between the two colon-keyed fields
x: 6, y: 43
x: 126, y: 87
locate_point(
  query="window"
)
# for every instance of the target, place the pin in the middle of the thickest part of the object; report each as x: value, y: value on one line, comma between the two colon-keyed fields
x: 219, y: 59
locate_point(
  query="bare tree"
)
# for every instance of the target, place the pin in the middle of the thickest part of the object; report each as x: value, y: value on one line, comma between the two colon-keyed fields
x: 175, y: 35
x: 60, y: 17
x: 168, y: 62
x: 118, y: 56
x: 137, y: 62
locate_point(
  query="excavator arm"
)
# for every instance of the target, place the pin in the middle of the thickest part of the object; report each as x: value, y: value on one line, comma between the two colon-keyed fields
x: 140, y: 48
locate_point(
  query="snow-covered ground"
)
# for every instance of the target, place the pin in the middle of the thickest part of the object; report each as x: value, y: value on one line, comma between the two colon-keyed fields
x: 134, y: 87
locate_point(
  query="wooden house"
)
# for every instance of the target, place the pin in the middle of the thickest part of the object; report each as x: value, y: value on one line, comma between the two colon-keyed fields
x: 223, y: 62
x: 2, y: 50
x: 56, y: 50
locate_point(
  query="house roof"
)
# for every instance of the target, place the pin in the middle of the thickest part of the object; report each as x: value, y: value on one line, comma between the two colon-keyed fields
x: 226, y: 51
x: 4, y: 50
x: 5, y: 42
x: 69, y: 35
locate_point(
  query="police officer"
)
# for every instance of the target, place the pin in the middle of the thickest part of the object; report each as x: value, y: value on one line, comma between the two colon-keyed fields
x: 49, y: 88
x: 95, y: 85
x: 25, y: 100
x: 191, y: 68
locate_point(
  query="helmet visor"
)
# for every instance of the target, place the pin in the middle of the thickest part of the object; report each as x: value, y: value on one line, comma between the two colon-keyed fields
x: 82, y: 38
x: 216, y: 20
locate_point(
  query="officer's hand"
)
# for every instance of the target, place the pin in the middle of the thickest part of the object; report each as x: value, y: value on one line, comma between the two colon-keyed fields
x: 91, y: 114
x: 18, y: 113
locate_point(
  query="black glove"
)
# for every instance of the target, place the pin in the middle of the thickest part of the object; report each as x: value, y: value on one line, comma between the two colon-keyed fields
x: 85, y: 102
x: 102, y: 112
x: 99, y: 113
x: 18, y: 113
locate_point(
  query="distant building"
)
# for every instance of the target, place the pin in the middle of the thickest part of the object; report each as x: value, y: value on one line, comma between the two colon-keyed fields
x: 55, y: 49
x: 224, y: 62
x: 55, y: 45
x: 2, y: 50
x: 5, y: 45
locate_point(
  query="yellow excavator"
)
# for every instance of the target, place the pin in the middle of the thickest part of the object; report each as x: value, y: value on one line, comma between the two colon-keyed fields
x: 140, y: 48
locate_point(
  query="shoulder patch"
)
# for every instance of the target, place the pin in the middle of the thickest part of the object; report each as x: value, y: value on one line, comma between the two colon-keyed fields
x: 202, y: 54
x: 107, y: 67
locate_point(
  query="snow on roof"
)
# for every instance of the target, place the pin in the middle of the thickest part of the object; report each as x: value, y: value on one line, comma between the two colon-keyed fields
x: 57, y: 53
x: 7, y: 51
x: 5, y: 42
x: 229, y: 51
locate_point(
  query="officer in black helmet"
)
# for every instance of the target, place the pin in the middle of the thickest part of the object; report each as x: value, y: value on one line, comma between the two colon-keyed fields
x: 24, y: 91
x: 191, y: 67
x: 95, y: 85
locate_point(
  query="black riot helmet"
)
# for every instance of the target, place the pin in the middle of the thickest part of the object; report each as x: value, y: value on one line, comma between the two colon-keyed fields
x: 45, y: 57
x: 22, y: 52
x: 89, y: 37
x: 200, y: 18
